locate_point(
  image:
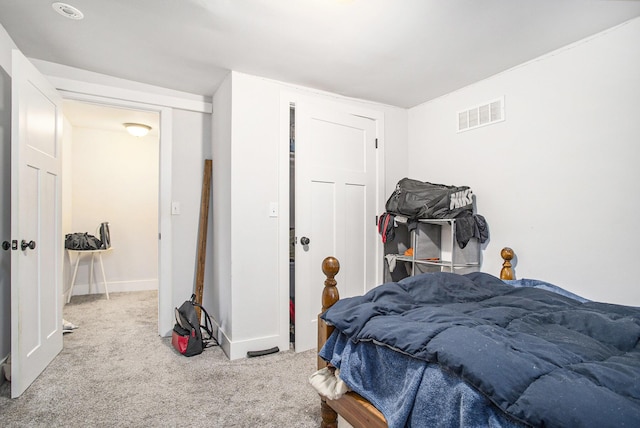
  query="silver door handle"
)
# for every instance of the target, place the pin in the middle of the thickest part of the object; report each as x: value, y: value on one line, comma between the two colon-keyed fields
x: 304, y: 240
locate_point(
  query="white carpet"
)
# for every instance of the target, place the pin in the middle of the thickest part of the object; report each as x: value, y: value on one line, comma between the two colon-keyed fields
x: 115, y: 371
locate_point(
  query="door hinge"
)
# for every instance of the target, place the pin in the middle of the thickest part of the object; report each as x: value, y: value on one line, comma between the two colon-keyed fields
x: 376, y: 221
x: 376, y: 143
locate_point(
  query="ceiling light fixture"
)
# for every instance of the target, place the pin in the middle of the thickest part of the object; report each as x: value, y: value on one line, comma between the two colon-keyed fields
x: 67, y: 10
x: 137, y: 129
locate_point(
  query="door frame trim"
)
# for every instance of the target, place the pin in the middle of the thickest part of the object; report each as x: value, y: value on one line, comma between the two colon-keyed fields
x: 165, y: 254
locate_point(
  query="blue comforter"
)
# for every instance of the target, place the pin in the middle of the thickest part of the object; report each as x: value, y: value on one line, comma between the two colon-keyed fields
x: 541, y: 358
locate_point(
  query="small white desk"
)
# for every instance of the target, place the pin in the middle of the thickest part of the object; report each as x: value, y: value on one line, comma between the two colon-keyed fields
x: 79, y: 254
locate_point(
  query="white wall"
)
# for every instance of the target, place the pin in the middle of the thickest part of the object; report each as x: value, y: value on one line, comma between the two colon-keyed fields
x: 67, y: 199
x: 256, y: 300
x: 115, y: 179
x: 558, y: 181
x: 219, y: 299
x: 192, y: 145
x: 253, y: 155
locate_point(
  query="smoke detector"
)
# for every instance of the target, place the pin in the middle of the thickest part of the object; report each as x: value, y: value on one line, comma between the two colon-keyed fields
x: 67, y: 10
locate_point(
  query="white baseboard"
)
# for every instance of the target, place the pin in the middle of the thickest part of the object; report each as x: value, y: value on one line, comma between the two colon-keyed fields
x: 224, y: 342
x: 114, y: 287
x: 238, y: 349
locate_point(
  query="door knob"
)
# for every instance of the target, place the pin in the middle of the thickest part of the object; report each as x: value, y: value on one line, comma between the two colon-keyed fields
x: 24, y: 245
x: 304, y: 240
x: 6, y: 245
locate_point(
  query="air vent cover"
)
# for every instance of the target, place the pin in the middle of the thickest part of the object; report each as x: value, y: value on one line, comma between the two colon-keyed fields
x: 485, y: 114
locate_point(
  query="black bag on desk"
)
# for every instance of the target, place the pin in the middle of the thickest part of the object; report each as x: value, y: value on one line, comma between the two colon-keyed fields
x: 420, y: 199
x: 81, y: 241
x: 187, y: 336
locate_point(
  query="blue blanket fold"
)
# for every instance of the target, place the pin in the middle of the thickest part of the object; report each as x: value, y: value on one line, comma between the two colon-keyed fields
x: 425, y: 395
x: 540, y: 357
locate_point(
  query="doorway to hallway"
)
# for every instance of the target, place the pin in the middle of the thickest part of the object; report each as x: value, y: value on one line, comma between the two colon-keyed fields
x: 111, y: 176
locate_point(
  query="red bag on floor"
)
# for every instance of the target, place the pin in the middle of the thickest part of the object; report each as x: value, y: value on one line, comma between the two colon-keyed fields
x: 186, y: 342
x: 187, y: 337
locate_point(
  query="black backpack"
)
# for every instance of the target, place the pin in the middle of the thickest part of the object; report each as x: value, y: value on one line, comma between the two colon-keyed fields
x: 187, y: 337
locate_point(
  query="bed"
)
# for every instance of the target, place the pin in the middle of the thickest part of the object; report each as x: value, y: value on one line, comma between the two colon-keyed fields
x: 477, y: 350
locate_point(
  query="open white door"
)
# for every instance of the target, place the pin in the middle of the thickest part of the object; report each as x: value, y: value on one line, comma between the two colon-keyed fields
x: 336, y: 187
x: 36, y: 256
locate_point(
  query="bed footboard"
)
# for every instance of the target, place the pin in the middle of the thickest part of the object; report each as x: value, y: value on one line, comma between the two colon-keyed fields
x: 351, y: 406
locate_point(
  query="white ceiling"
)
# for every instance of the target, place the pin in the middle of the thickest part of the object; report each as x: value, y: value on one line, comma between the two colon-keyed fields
x: 398, y: 52
x: 94, y: 116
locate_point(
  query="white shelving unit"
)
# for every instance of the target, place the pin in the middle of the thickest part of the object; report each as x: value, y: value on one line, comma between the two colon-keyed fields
x: 434, y: 247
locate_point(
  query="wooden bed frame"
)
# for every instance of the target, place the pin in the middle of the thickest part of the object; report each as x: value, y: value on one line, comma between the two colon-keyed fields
x: 351, y: 406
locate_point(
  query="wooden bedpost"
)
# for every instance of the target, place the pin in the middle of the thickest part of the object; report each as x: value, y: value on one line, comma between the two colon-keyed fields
x: 330, y: 295
x: 507, y: 270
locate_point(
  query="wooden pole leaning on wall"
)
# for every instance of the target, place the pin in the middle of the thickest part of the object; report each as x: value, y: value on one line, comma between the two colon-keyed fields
x: 202, y: 231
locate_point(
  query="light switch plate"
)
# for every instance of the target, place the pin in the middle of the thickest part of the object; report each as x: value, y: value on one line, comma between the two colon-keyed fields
x: 175, y: 208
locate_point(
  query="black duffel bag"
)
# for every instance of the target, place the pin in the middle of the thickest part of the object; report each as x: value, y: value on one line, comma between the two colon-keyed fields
x: 81, y: 241
x: 420, y: 199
